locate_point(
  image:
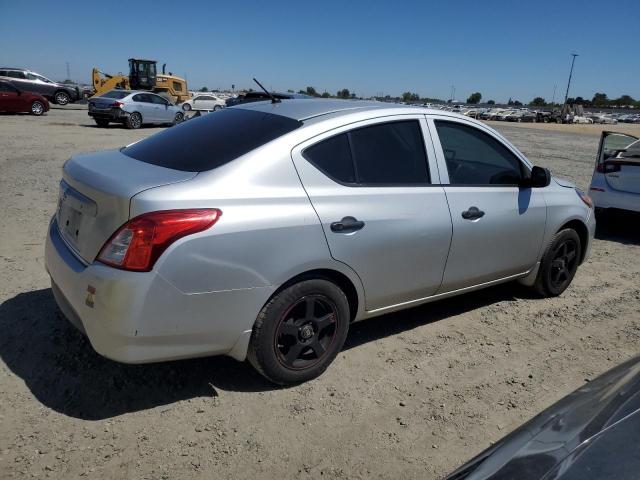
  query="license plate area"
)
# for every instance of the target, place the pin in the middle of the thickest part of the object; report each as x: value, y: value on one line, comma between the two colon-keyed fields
x: 73, y: 209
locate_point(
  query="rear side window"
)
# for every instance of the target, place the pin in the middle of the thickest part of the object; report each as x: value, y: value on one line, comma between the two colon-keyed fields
x: 476, y: 158
x: 210, y: 141
x: 386, y: 154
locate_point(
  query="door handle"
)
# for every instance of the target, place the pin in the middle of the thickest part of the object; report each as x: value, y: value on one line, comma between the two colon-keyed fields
x: 347, y: 225
x: 472, y: 214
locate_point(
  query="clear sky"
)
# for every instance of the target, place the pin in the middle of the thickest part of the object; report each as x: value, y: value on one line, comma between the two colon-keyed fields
x: 518, y: 49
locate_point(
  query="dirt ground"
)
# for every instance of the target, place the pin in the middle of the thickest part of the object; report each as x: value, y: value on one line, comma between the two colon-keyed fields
x: 412, y: 395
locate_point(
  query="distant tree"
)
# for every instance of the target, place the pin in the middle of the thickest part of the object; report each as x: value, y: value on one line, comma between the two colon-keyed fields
x: 325, y: 94
x: 311, y: 91
x: 624, y: 100
x: 510, y: 102
x: 491, y: 102
x: 344, y: 93
x: 204, y: 89
x: 474, y: 98
x: 600, y: 99
x: 517, y: 103
x: 538, y: 102
x: 290, y: 91
x: 353, y: 95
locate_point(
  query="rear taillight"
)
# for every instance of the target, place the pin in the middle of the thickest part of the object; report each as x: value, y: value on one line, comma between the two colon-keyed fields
x: 117, y: 104
x: 586, y: 199
x: 140, y: 242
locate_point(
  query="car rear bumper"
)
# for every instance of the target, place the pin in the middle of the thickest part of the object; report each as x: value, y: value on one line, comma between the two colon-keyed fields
x: 139, y: 317
x: 113, y: 114
x: 615, y: 199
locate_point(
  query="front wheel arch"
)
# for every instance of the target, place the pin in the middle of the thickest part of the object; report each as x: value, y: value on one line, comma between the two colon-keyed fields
x: 583, y: 233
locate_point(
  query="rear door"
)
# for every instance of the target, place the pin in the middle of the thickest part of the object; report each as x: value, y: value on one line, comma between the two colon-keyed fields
x: 498, y: 226
x: 619, y: 161
x: 383, y: 212
x: 145, y: 106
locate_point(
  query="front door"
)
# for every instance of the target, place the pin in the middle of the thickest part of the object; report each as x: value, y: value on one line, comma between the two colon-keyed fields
x: 380, y: 204
x: 498, y: 227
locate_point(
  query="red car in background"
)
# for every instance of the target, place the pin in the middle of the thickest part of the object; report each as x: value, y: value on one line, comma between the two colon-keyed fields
x: 14, y: 100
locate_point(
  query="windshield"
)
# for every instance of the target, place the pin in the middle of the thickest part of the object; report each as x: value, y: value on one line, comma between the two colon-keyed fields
x: 211, y: 141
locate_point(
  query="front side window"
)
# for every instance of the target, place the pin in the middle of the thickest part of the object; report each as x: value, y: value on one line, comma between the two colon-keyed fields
x: 476, y: 158
x: 380, y: 155
x: 157, y: 99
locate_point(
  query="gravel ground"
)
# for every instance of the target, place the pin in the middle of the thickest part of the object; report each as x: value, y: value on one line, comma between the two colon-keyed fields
x: 413, y: 394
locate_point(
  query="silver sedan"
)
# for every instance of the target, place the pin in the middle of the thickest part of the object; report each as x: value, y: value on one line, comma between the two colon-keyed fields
x: 133, y: 109
x: 264, y: 230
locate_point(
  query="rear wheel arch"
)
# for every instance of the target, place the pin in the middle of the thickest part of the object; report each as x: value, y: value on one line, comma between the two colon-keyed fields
x: 339, y: 279
x: 582, y: 231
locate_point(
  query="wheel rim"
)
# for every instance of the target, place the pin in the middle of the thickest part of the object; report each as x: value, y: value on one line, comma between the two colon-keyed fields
x: 305, y: 332
x: 62, y: 99
x: 564, y: 263
x: 37, y: 108
x: 178, y: 118
x: 135, y: 120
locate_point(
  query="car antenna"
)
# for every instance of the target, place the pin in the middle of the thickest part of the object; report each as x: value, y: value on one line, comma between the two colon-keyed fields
x: 273, y: 99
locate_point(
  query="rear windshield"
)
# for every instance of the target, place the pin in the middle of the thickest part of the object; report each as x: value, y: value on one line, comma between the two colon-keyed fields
x: 208, y: 142
x: 117, y: 94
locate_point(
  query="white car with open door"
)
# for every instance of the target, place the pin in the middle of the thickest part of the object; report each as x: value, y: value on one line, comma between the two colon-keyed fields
x: 616, y: 178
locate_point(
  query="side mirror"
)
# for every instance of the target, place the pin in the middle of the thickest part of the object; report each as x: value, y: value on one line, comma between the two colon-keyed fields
x: 540, y: 177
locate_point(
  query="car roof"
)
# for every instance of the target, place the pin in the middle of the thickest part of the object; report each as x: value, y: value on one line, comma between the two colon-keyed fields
x: 15, y: 68
x: 304, y: 109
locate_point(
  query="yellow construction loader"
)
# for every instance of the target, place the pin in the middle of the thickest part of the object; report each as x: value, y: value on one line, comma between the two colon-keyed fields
x: 142, y: 76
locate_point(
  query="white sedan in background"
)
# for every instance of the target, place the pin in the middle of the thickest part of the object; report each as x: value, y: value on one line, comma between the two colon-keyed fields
x: 616, y: 178
x: 204, y: 101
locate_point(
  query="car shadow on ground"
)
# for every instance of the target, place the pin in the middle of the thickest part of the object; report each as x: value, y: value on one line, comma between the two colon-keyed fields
x: 619, y: 226
x: 63, y: 372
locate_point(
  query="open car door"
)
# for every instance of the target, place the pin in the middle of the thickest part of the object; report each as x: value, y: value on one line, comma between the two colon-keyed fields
x: 619, y: 161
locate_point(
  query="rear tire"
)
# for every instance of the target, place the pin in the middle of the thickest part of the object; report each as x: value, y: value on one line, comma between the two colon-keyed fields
x: 216, y: 108
x: 134, y: 121
x: 37, y: 108
x: 559, y: 263
x: 299, y: 332
x: 101, y: 122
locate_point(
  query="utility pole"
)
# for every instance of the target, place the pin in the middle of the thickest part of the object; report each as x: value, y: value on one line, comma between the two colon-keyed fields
x: 573, y: 60
x: 68, y: 71
x: 553, y: 100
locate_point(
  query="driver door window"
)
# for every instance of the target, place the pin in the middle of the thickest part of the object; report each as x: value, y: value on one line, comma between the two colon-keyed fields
x: 476, y: 158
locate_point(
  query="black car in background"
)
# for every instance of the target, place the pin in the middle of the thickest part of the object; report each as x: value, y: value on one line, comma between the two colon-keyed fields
x: 261, y: 97
x: 593, y: 433
x: 28, y: 81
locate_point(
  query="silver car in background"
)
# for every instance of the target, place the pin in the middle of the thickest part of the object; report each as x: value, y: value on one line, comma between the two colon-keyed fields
x: 263, y: 230
x: 133, y: 109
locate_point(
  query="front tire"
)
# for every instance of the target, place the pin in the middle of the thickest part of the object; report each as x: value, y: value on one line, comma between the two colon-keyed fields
x: 186, y: 107
x: 134, y: 121
x: 559, y: 263
x: 179, y: 118
x: 217, y: 107
x: 37, y: 108
x: 299, y: 332
x: 62, y: 98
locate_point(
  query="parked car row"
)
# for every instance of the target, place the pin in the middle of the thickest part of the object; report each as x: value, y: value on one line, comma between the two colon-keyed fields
x: 15, y: 100
x: 29, y: 81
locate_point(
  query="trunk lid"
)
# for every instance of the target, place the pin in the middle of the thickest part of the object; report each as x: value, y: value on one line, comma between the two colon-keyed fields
x: 95, y: 196
x: 102, y: 103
